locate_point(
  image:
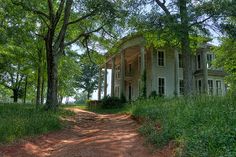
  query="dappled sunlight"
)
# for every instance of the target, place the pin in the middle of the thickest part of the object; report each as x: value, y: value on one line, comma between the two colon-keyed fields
x: 91, y: 135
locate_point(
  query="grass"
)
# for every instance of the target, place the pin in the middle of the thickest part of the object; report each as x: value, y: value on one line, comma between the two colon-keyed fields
x: 200, y: 126
x: 19, y: 121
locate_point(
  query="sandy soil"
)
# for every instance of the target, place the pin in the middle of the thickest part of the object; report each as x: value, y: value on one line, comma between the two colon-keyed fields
x: 88, y: 135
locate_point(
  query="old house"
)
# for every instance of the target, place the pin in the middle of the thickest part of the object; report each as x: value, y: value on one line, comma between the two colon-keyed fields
x: 163, y: 70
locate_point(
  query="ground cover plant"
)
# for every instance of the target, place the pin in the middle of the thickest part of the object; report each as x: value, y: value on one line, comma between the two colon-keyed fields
x: 18, y: 121
x: 199, y: 126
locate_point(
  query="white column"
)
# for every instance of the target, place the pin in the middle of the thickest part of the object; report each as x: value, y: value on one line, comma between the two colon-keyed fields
x: 205, y: 71
x: 113, y: 77
x: 105, y: 80
x: 122, y: 74
x: 142, y: 51
x: 154, y: 70
x: 176, y: 73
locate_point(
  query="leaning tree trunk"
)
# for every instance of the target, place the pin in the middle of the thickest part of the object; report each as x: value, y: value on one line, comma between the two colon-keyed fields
x: 185, y: 47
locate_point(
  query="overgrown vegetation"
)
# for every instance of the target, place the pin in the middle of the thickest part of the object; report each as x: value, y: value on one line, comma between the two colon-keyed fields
x: 18, y: 121
x: 199, y: 126
x: 109, y: 102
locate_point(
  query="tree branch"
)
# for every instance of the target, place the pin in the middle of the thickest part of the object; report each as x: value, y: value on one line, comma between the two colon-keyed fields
x: 82, y: 18
x: 200, y: 22
x: 163, y: 7
x: 35, y: 11
x: 83, y: 35
x: 59, y: 11
x: 60, y: 39
x: 50, y: 11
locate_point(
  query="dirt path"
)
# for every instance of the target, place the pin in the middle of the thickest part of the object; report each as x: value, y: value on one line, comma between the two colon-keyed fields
x: 90, y: 135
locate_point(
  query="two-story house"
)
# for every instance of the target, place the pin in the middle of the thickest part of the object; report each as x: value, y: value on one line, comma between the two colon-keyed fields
x: 163, y: 69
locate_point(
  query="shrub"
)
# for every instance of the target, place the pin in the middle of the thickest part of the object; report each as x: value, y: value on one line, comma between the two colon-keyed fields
x: 111, y: 102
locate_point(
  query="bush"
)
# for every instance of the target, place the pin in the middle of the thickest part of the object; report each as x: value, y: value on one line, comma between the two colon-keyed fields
x: 109, y: 102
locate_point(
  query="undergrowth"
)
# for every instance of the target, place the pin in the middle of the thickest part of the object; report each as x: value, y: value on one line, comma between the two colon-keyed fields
x: 18, y: 121
x: 199, y: 126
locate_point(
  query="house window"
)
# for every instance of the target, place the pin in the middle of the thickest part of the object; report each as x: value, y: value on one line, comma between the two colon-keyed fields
x: 210, y: 87
x: 181, y: 87
x: 130, y: 68
x: 161, y: 58
x: 210, y: 58
x: 161, y: 86
x: 199, y: 86
x: 181, y: 63
x: 199, y: 61
x: 117, y: 72
x: 218, y: 87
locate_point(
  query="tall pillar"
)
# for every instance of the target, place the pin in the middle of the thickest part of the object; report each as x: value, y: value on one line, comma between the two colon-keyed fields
x: 113, y: 77
x: 176, y: 73
x: 99, y: 83
x: 205, y: 71
x: 122, y: 74
x: 105, y: 80
x: 142, y: 51
x: 154, y: 70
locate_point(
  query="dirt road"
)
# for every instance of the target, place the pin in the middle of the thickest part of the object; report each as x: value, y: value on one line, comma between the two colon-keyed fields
x: 88, y: 135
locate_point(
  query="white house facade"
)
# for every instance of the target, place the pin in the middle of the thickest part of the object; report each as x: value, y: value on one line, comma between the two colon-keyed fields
x: 163, y: 68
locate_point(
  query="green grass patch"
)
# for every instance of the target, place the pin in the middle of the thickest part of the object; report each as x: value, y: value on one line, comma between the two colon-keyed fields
x: 18, y: 121
x: 200, y: 126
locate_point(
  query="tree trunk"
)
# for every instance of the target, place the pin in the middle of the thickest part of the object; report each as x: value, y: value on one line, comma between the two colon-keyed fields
x: 185, y: 47
x: 26, y: 84
x: 42, y: 88
x: 52, y: 73
x: 15, y: 95
x: 88, y: 95
x: 38, y: 86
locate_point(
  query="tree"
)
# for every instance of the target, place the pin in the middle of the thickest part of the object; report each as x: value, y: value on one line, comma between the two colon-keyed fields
x: 88, y: 80
x: 176, y: 21
x: 85, y: 17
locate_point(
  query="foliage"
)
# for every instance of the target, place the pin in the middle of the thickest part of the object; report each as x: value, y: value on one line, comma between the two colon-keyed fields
x: 111, y: 102
x: 81, y: 98
x: 18, y: 121
x: 199, y: 126
x: 88, y: 80
x: 226, y: 58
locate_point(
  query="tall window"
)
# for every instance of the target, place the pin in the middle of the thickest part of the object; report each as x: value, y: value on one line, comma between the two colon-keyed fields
x: 181, y: 63
x: 181, y: 87
x: 210, y: 58
x: 130, y: 68
x: 199, y: 61
x: 210, y: 87
x: 218, y: 87
x: 117, y: 72
x: 199, y: 86
x: 161, y: 86
x: 161, y: 58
